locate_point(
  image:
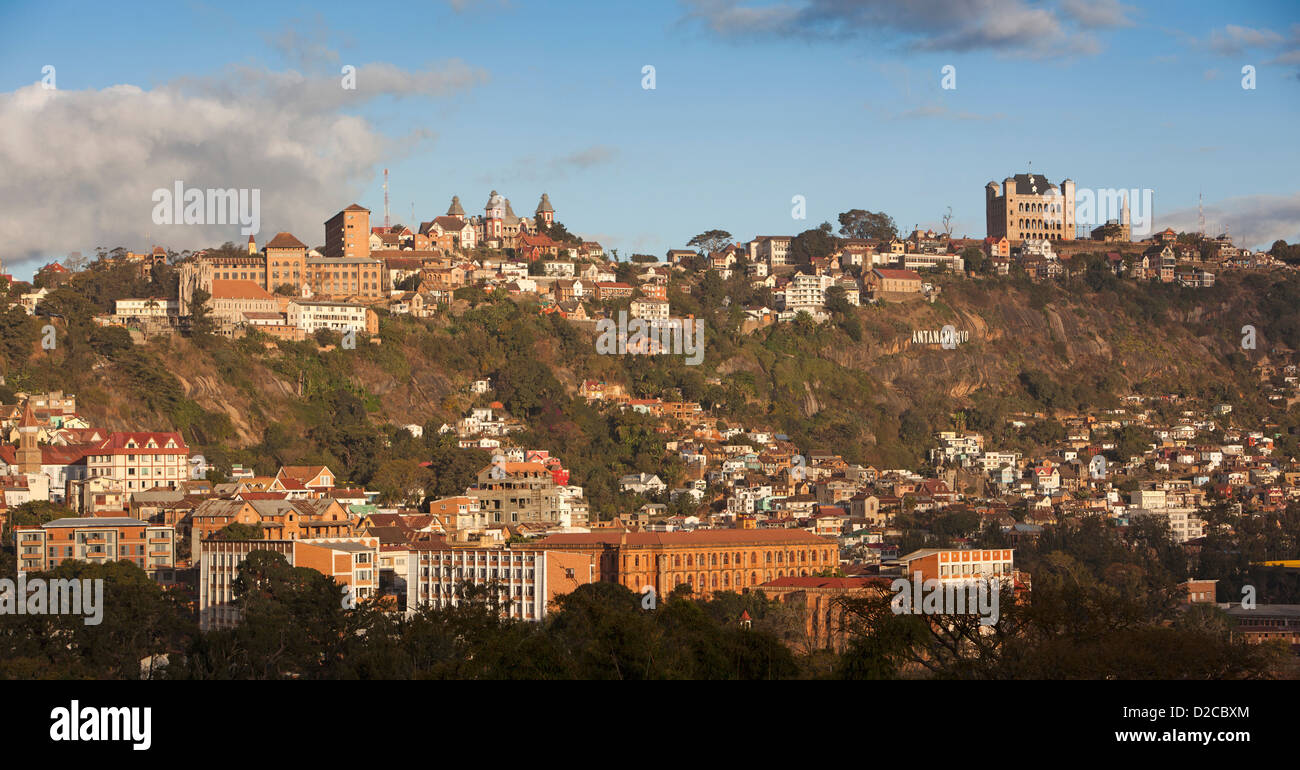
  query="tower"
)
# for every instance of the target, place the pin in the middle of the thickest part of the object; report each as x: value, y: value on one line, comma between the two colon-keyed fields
x: 28, y: 456
x: 252, y: 246
x: 545, y: 213
x: 494, y: 217
x: 456, y: 210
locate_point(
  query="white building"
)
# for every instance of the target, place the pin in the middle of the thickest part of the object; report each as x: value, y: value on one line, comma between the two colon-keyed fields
x: 140, y: 461
x: 650, y: 309
x: 312, y: 316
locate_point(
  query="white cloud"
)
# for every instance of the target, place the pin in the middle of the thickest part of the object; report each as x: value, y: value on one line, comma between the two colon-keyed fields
x: 1254, y: 221
x: 81, y: 166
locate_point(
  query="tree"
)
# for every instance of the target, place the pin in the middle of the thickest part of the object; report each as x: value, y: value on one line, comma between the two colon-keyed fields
x: 557, y: 232
x: 975, y: 259
x: 236, y: 531
x: 201, y: 323
x: 813, y: 244
x: 858, y: 223
x: 710, y: 241
x: 401, y: 480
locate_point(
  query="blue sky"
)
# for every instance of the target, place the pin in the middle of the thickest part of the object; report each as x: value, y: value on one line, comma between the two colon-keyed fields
x: 755, y: 102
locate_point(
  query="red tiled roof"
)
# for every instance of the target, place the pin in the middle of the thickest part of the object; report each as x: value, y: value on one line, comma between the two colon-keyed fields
x: 695, y: 537
x: 901, y: 275
x: 119, y: 440
x: 285, y: 241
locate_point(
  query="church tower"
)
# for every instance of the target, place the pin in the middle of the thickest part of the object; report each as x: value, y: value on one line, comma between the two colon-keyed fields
x: 29, y: 452
x: 455, y: 210
x: 545, y: 212
x: 494, y: 217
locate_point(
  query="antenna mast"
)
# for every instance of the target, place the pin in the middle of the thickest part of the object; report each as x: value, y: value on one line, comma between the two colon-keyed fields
x: 386, y: 199
x: 1200, y: 212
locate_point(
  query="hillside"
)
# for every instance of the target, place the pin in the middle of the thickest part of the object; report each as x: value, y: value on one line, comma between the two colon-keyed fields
x: 855, y: 385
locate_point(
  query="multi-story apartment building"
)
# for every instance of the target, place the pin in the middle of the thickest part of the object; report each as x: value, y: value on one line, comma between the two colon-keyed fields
x: 707, y: 560
x: 353, y: 563
x: 311, y: 316
x: 650, y: 309
x: 957, y: 565
x: 772, y: 249
x: 806, y: 293
x: 347, y: 233
x: 1184, y: 524
x: 1028, y: 206
x: 517, y: 493
x: 139, y: 460
x: 961, y: 447
x: 150, y: 547
x: 346, y: 276
x: 526, y: 580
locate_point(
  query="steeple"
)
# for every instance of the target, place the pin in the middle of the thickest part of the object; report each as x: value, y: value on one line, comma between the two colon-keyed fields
x: 456, y: 210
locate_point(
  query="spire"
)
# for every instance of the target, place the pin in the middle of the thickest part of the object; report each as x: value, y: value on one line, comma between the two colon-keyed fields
x: 29, y: 418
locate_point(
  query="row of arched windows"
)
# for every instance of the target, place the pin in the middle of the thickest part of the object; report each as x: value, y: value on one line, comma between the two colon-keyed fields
x: 716, y: 580
x: 737, y: 558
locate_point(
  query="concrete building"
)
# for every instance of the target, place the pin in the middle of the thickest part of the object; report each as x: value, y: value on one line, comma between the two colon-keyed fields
x: 139, y: 460
x: 957, y: 565
x: 517, y: 493
x: 347, y: 233
x: 311, y: 316
x: 150, y: 547
x: 526, y: 580
x: 353, y: 562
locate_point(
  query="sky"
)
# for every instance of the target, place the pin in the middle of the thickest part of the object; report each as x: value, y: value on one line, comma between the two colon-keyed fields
x: 753, y: 103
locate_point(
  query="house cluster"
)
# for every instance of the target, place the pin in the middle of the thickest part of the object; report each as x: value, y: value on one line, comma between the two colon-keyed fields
x: 1186, y: 466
